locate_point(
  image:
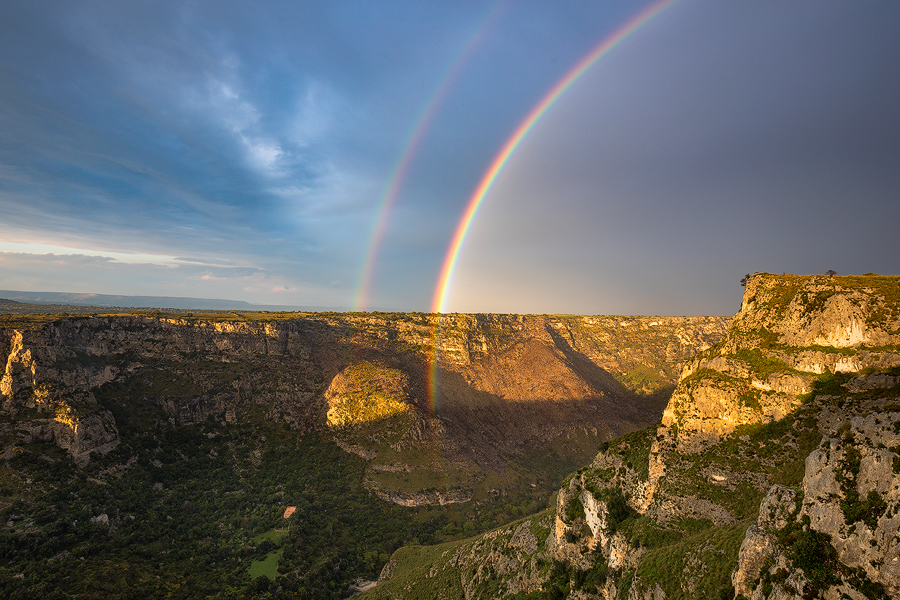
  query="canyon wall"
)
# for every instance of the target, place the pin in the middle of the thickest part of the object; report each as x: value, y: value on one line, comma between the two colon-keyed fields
x: 806, y: 359
x: 473, y: 390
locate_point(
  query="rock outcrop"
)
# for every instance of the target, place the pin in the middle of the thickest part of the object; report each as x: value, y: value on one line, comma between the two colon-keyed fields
x: 790, y: 329
x: 789, y: 332
x: 806, y: 357
x: 838, y: 535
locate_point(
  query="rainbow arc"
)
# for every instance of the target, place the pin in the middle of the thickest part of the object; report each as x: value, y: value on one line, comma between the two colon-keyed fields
x: 490, y: 176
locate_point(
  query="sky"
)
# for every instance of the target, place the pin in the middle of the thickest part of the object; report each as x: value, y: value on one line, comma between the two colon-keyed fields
x: 325, y: 153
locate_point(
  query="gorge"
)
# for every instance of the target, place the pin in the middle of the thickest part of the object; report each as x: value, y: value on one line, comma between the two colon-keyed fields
x: 459, y: 456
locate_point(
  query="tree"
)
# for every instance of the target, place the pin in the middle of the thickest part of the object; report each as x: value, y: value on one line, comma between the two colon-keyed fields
x: 831, y: 273
x: 745, y: 279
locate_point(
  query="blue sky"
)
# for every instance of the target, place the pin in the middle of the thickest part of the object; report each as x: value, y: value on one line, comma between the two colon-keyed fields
x: 241, y: 150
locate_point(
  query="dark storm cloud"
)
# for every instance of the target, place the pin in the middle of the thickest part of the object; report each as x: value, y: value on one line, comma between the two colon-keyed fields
x: 721, y: 138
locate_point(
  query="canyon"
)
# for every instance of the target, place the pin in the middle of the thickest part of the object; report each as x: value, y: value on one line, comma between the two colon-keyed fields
x: 436, y: 405
x: 460, y: 456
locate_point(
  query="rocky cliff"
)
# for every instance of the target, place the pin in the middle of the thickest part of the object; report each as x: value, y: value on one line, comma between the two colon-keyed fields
x: 435, y: 403
x: 772, y: 411
x: 773, y: 473
x: 837, y: 535
x: 790, y: 332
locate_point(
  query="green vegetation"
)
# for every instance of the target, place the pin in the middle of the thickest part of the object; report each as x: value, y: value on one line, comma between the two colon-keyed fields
x: 645, y: 380
x: 634, y: 448
x: 191, y: 509
x: 693, y: 558
x: 187, y: 505
x: 188, y: 509
x: 831, y: 384
x: 687, y: 558
x: 761, y: 364
x: 813, y: 553
x: 412, y: 578
x: 695, y: 566
x: 777, y: 450
x: 617, y: 507
x: 267, y: 567
x: 196, y: 511
x: 782, y: 294
x: 786, y: 288
x: 574, y: 509
x: 814, y: 302
x: 869, y: 510
x: 710, y: 377
x: 427, y: 572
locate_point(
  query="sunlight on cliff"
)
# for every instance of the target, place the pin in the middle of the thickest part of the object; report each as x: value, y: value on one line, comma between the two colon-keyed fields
x: 364, y: 392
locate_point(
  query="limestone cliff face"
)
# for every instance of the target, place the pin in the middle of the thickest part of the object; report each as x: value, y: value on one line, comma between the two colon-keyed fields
x: 773, y: 473
x: 818, y: 353
x: 478, y: 386
x: 848, y: 512
x: 50, y: 372
x: 790, y: 331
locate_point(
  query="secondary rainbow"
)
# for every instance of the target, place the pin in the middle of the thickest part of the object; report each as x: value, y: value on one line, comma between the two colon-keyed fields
x: 487, y: 180
x: 413, y: 142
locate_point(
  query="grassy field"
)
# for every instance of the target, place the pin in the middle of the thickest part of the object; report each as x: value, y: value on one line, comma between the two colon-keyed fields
x: 267, y: 566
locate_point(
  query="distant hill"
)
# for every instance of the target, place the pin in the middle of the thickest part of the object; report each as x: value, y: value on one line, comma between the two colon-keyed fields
x: 107, y: 300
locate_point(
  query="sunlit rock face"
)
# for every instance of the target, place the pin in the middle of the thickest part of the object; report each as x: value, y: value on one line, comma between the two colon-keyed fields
x: 762, y: 480
x: 363, y: 393
x: 718, y: 436
x: 790, y: 331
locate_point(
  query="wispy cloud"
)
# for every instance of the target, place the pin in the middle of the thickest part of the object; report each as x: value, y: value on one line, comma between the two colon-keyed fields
x: 120, y: 257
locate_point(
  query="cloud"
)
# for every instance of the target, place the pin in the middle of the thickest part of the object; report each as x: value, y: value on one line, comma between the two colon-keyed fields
x: 106, y: 275
x: 27, y: 249
x: 718, y: 139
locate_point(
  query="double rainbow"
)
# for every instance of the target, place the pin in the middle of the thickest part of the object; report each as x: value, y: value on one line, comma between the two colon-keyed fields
x: 413, y: 142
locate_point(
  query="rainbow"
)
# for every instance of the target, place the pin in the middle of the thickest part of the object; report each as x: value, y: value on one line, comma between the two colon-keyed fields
x: 487, y: 180
x: 413, y: 142
x: 500, y: 160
